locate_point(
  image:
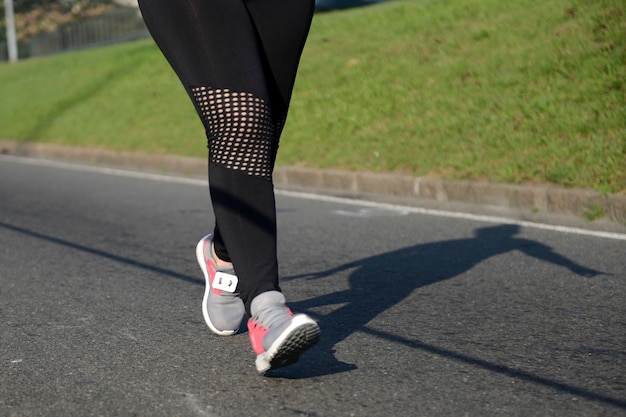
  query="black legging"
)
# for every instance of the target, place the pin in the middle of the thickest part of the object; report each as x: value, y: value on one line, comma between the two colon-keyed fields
x: 237, y: 60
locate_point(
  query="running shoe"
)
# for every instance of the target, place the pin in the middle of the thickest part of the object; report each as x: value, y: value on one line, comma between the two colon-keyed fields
x: 278, y: 336
x: 222, y: 308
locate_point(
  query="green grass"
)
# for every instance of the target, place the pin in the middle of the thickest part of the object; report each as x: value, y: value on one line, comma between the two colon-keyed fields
x: 594, y: 212
x: 532, y: 91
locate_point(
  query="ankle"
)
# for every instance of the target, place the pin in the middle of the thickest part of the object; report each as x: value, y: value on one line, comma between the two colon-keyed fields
x: 269, y: 307
x: 219, y: 262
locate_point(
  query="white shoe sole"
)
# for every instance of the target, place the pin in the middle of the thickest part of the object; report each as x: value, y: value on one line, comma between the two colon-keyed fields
x: 300, y: 335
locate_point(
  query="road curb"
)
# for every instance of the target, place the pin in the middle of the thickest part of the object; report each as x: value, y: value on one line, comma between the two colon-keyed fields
x: 534, y: 199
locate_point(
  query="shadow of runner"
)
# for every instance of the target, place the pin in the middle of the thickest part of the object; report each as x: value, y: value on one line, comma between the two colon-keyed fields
x: 368, y: 296
x: 103, y: 254
x: 380, y: 282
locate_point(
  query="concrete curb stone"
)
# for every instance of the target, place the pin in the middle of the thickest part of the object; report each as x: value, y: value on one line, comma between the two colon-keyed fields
x: 543, y: 199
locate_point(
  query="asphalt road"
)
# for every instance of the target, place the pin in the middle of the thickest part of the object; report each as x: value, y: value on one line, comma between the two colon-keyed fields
x: 422, y: 314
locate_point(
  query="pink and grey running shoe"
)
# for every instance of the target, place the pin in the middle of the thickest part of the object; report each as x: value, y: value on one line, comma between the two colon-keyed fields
x: 278, y: 336
x: 222, y: 308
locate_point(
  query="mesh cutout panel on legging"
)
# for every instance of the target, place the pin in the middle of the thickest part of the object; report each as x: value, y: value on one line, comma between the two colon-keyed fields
x: 240, y: 129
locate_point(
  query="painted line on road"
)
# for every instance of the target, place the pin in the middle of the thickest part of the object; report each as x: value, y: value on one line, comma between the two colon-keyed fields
x: 103, y: 170
x: 319, y: 197
x: 455, y: 214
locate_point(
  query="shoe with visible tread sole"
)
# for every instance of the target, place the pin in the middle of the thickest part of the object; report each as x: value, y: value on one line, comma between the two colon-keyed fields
x: 278, y: 336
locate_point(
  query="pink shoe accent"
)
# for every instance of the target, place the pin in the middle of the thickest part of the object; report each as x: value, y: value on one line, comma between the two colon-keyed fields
x: 257, y: 333
x: 211, y: 266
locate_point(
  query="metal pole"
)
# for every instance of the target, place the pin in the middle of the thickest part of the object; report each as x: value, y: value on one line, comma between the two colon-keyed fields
x: 11, y: 38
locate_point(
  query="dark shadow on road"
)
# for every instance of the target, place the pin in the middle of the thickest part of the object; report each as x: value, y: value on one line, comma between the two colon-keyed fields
x: 404, y: 271
x: 103, y: 254
x: 369, y: 296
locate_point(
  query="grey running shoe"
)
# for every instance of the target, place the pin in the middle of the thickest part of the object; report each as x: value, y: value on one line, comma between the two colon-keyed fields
x: 278, y: 336
x: 222, y: 308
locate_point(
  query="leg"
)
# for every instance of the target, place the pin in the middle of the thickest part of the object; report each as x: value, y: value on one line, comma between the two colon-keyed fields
x: 237, y: 60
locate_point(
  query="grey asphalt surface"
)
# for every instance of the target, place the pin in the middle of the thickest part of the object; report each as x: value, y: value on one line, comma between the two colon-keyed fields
x: 421, y: 315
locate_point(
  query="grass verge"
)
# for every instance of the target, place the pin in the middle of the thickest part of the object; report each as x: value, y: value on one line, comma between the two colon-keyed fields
x: 512, y: 92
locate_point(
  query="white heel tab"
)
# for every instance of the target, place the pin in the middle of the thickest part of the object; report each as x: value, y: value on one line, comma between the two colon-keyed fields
x: 225, y: 282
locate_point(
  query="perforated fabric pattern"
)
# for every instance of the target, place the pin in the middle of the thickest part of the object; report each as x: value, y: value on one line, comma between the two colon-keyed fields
x: 240, y: 130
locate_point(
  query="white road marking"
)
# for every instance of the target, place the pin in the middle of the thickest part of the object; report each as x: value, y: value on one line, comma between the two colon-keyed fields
x: 325, y: 198
x: 457, y: 215
x: 366, y: 213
